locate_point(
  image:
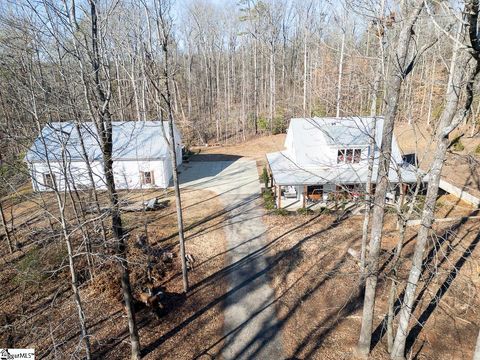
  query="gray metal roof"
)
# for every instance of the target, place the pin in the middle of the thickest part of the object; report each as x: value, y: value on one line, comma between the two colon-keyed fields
x: 340, y: 134
x: 60, y: 141
x: 344, y: 131
x: 286, y: 172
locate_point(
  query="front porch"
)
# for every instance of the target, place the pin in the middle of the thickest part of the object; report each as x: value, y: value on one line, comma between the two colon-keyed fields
x: 315, y: 197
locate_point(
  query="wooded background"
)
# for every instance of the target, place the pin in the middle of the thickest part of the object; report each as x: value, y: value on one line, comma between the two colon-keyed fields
x: 226, y: 72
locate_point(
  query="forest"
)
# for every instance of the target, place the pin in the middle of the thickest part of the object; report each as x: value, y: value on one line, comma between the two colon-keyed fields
x: 107, y: 273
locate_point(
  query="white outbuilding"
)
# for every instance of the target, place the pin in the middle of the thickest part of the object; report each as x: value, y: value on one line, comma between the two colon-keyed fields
x: 141, y: 156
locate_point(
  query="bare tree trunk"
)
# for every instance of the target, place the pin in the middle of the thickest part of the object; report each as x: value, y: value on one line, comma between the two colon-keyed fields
x: 432, y: 80
x: 272, y: 87
x: 394, y: 85
x: 340, y: 72
x: 371, y: 161
x: 305, y: 72
x: 460, y: 70
x: 104, y: 130
x: 402, y: 222
x: 476, y: 354
x: 164, y: 35
x: 5, y: 229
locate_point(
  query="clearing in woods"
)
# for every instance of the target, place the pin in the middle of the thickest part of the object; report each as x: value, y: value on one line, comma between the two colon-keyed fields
x: 264, y: 285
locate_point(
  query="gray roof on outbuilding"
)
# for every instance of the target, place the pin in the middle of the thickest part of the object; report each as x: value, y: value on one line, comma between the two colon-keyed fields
x: 132, y: 140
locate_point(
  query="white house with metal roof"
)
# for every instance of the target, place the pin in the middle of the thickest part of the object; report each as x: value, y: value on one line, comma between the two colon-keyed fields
x: 328, y: 156
x: 141, y: 156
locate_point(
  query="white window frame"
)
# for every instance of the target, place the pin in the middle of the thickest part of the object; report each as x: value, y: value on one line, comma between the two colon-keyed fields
x: 49, y: 180
x: 342, y: 153
x: 150, y: 176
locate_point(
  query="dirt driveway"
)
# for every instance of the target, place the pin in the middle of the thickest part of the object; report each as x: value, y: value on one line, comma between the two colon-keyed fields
x: 251, y: 329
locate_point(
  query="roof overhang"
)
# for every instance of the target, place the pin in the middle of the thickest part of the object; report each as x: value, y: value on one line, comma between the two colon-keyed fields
x: 285, y: 171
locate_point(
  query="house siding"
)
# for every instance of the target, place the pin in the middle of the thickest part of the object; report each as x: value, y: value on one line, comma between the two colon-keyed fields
x: 126, y: 174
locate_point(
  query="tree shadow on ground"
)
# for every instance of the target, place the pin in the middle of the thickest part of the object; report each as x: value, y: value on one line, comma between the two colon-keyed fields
x: 429, y: 266
x: 443, y: 288
x: 260, y: 340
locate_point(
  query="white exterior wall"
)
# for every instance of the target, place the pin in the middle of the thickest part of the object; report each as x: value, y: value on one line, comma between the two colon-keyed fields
x: 325, y: 155
x: 314, y: 151
x: 126, y: 174
x: 76, y: 172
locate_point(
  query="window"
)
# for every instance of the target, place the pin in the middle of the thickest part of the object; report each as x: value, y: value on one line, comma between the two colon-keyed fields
x: 147, y: 177
x: 49, y: 180
x: 357, y: 156
x: 349, y: 156
x: 349, y: 159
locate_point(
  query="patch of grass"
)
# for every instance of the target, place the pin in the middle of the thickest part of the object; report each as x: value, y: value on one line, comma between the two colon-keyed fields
x: 457, y: 144
x: 36, y: 264
x: 29, y: 268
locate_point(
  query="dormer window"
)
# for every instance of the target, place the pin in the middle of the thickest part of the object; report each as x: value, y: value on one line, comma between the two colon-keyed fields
x: 357, y: 156
x: 349, y: 156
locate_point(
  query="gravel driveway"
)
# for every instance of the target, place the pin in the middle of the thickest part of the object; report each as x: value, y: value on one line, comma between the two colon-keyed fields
x: 251, y: 329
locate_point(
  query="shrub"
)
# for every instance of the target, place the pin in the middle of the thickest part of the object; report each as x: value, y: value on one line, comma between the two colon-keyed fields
x: 326, y: 211
x: 304, y: 211
x: 419, y: 203
x: 390, y: 209
x: 262, y: 123
x: 264, y: 177
x: 268, y: 199
x: 477, y: 150
x: 281, y: 212
x: 279, y: 125
x: 319, y: 110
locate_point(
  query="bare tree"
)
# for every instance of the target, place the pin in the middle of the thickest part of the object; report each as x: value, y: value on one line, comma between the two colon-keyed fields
x: 463, y: 70
x: 163, y: 26
x: 476, y: 354
x: 402, y: 65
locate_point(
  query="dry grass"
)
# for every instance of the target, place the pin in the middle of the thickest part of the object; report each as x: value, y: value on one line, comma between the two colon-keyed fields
x: 255, y: 148
x: 460, y: 168
x: 38, y: 307
x: 316, y: 287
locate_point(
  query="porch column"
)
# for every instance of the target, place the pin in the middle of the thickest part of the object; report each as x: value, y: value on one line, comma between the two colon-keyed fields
x: 304, y: 195
x: 279, y: 196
